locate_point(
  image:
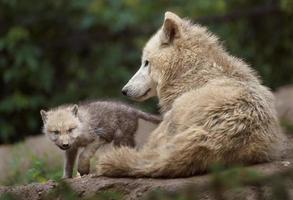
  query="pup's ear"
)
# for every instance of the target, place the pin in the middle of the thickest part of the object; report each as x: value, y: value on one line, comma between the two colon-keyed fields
x: 171, y: 27
x: 43, y: 115
x: 75, y: 109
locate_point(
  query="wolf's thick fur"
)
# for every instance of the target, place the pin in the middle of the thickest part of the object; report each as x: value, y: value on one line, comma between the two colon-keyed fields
x: 215, y: 108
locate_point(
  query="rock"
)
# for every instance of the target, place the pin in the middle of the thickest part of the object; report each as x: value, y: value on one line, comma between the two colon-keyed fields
x: 130, y: 188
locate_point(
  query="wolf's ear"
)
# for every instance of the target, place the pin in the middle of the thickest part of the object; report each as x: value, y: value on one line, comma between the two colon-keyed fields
x: 171, y: 27
x: 75, y: 109
x: 43, y: 115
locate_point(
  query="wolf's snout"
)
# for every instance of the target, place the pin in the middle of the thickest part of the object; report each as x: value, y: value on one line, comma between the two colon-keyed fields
x: 124, y: 91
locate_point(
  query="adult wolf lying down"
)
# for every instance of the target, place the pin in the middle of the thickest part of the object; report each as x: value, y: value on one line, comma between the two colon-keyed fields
x: 215, y: 108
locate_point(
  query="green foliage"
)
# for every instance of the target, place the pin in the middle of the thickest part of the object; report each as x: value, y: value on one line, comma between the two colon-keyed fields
x: 233, y: 177
x: 231, y: 183
x: 62, y: 191
x: 287, y: 126
x: 104, y: 195
x: 39, y: 170
x: 52, y: 52
x: 8, y: 196
x: 185, y: 194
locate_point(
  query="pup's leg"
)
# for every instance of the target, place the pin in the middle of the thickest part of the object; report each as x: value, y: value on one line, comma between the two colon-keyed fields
x: 85, y: 156
x: 70, y: 156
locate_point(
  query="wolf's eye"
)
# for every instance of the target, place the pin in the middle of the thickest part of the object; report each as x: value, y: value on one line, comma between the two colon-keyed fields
x: 146, y: 63
x: 55, y: 132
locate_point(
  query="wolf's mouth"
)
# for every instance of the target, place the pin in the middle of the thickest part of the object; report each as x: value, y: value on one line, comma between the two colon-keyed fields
x: 146, y: 92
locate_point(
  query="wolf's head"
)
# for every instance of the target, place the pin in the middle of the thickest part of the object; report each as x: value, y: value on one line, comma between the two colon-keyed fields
x: 166, y: 55
x: 62, y: 125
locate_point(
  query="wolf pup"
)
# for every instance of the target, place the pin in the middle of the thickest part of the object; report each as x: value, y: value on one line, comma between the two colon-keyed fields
x: 91, y: 125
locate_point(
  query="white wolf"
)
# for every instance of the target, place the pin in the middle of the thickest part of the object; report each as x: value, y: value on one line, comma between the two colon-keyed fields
x: 215, y: 108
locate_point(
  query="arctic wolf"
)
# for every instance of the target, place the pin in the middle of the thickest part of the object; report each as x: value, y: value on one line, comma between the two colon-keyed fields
x: 215, y: 108
x: 91, y: 125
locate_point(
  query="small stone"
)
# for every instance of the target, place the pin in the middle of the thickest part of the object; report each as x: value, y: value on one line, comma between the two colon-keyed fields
x: 78, y: 175
x: 139, y: 194
x: 286, y: 163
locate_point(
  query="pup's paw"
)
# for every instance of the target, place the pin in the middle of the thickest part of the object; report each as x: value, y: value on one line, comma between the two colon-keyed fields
x: 78, y: 175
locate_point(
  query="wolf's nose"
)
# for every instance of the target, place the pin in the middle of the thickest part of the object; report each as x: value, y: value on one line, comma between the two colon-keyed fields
x: 65, y: 145
x: 124, y: 92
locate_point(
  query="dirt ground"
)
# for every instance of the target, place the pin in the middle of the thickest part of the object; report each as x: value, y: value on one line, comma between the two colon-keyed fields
x: 140, y: 188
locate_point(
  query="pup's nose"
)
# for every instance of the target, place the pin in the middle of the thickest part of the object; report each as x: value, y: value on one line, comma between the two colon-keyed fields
x: 124, y: 92
x: 65, y: 145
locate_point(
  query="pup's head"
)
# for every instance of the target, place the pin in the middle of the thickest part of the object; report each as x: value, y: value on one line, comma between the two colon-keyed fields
x: 62, y: 125
x: 159, y: 56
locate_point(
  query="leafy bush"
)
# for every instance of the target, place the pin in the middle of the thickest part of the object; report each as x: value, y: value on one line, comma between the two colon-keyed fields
x: 52, y: 52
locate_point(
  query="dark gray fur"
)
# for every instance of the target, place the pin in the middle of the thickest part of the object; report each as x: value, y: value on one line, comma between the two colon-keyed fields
x: 106, y: 117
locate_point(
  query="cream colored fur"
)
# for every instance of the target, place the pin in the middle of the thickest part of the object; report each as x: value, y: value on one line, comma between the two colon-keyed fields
x: 215, y: 108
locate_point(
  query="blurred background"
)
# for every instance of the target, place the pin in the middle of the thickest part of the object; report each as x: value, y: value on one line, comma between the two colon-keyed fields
x: 55, y: 52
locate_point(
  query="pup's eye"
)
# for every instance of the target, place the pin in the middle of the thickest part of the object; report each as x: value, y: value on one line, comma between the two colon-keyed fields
x: 70, y: 130
x: 146, y: 63
x: 55, y: 132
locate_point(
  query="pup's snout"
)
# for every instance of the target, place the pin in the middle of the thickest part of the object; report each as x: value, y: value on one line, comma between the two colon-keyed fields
x: 124, y: 92
x: 65, y: 146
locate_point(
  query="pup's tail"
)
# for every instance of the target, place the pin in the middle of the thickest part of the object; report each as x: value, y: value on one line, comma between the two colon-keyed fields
x: 184, y: 155
x: 149, y: 117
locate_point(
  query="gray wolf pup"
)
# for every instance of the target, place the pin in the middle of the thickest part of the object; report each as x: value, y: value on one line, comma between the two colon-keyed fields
x: 91, y: 125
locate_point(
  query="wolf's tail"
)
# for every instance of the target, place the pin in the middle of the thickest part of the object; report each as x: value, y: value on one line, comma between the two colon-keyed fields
x: 183, y: 156
x: 149, y: 117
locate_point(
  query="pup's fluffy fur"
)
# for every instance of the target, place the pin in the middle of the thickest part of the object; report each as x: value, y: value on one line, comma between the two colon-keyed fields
x: 91, y: 125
